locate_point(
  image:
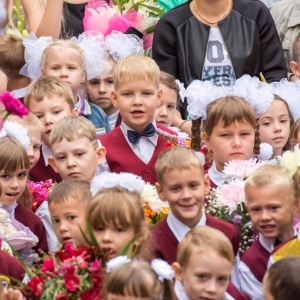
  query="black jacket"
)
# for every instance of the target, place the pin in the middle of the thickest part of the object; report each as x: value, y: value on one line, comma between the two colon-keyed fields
x: 249, y: 33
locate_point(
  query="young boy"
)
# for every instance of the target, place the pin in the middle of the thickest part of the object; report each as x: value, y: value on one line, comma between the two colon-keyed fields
x: 49, y: 99
x: 134, y: 146
x: 271, y: 205
x: 75, y: 148
x: 67, y: 202
x: 181, y: 182
x: 11, y: 62
x: 295, y: 63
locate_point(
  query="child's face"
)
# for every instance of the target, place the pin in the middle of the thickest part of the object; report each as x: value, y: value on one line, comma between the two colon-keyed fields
x: 185, y: 190
x: 164, y: 113
x: 271, y: 210
x: 76, y: 159
x: 206, y: 275
x: 274, y: 126
x: 234, y: 142
x: 13, y: 185
x: 49, y: 111
x: 114, y: 236
x: 266, y: 289
x: 33, y: 152
x: 99, y: 91
x: 66, y: 65
x: 137, y: 101
x: 66, y: 218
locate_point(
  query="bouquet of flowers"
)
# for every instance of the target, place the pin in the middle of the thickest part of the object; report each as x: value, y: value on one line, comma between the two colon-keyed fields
x: 70, y: 274
x: 174, y: 140
x: 39, y: 192
x: 9, y: 105
x: 227, y: 202
x: 121, y: 15
x: 154, y: 208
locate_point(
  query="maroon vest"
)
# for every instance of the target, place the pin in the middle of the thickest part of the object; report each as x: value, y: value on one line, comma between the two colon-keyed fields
x: 256, y: 258
x: 121, y: 158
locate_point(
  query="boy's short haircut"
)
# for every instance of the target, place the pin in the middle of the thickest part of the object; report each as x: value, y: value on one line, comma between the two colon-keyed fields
x: 296, y: 48
x: 176, y: 158
x: 11, y: 54
x: 169, y: 81
x: 201, y: 240
x: 72, y: 128
x: 284, y: 279
x: 70, y: 188
x: 269, y: 175
x: 136, y: 67
x: 48, y: 86
x: 29, y: 121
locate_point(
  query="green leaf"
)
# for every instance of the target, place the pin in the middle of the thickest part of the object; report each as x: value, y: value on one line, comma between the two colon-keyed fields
x: 150, y: 29
x: 91, y: 234
x: 156, y: 9
x: 128, y: 246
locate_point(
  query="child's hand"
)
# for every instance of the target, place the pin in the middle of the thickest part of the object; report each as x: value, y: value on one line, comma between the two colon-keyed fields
x: 12, y: 294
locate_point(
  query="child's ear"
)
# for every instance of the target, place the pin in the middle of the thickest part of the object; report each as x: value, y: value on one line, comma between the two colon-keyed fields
x: 206, y: 139
x: 159, y: 96
x: 206, y: 184
x: 178, y: 270
x: 160, y: 192
x: 83, y: 76
x: 43, y: 72
x: 295, y: 68
x: 75, y: 112
x: 114, y: 98
x: 52, y: 163
x: 101, y: 151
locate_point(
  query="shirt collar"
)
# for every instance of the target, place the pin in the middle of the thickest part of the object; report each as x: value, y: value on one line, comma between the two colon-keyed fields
x: 152, y: 139
x: 46, y: 151
x: 215, y: 176
x: 83, y: 107
x: 179, y: 229
x: 10, y: 208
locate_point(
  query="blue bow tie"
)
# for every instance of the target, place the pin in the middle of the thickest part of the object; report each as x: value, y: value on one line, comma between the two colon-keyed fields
x: 134, y: 136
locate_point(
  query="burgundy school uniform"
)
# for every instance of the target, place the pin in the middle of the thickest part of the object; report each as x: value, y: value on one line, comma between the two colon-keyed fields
x: 256, y: 259
x: 165, y: 242
x: 121, y: 158
x: 31, y: 220
x: 41, y: 172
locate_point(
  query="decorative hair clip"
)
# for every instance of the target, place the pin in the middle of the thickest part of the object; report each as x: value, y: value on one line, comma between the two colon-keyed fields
x: 257, y: 93
x: 290, y: 93
x: 181, y: 89
x: 162, y: 269
x: 265, y: 151
x: 199, y: 94
x: 106, y: 180
x: 16, y: 131
x: 120, y: 45
x: 290, y: 161
x: 34, y: 49
x: 92, y: 44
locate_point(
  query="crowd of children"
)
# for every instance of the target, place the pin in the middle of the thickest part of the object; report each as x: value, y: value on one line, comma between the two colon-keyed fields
x: 100, y: 127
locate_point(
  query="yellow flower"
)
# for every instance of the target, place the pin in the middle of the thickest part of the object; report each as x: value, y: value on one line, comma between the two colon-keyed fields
x: 289, y: 163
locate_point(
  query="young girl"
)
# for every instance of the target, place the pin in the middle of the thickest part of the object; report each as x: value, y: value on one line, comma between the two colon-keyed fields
x: 71, y: 61
x: 99, y: 89
x: 116, y: 213
x: 14, y: 167
x: 139, y: 280
x: 204, y: 263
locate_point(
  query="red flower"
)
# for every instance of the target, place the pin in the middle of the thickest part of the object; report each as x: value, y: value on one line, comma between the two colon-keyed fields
x: 90, y: 294
x: 97, y: 280
x: 62, y: 296
x: 13, y: 105
x: 48, y: 265
x: 37, y: 285
x: 72, y: 282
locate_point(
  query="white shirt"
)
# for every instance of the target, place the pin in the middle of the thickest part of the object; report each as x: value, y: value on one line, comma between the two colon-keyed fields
x: 144, y: 149
x: 46, y: 151
x: 112, y: 119
x: 215, y: 176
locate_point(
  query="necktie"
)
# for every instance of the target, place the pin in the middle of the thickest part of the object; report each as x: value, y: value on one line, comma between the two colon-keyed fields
x: 134, y: 136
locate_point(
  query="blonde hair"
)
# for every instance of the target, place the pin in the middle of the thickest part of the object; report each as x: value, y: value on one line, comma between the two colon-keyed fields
x: 11, y: 54
x: 229, y: 109
x: 72, y: 128
x: 201, y: 240
x: 64, y: 44
x: 176, y: 158
x: 295, y: 130
x: 120, y: 207
x: 48, y: 87
x: 29, y: 121
x: 137, y: 280
x: 269, y: 175
x: 134, y: 67
x: 3, y: 81
x: 70, y: 188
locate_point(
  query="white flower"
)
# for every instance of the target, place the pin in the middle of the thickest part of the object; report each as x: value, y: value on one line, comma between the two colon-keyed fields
x: 162, y: 269
x: 265, y: 151
x: 181, y: 89
x: 117, y: 262
x: 290, y: 161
